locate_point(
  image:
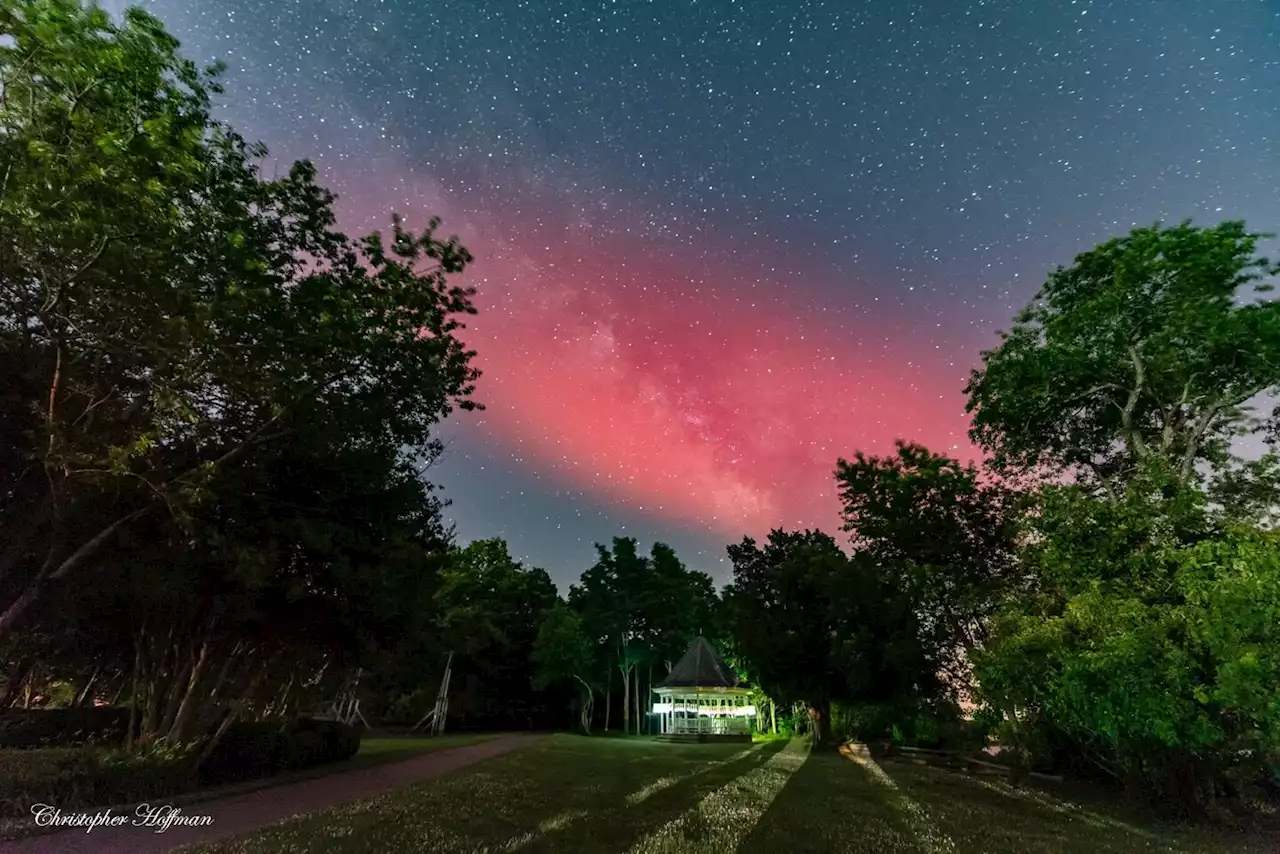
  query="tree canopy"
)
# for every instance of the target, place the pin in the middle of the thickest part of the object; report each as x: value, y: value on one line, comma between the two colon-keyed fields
x: 943, y: 531
x: 816, y: 626
x: 1149, y: 345
x: 166, y: 311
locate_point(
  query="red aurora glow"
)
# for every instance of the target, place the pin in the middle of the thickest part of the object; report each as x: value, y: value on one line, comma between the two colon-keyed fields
x: 662, y: 383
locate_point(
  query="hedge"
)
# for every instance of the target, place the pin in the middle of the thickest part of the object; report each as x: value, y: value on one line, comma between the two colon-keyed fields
x: 92, y: 776
x: 252, y: 749
x: 84, y: 777
x: 28, y: 728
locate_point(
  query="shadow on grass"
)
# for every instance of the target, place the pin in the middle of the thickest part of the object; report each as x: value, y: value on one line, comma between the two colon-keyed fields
x: 609, y: 825
x: 565, y: 794
x: 987, y: 815
x: 830, y: 804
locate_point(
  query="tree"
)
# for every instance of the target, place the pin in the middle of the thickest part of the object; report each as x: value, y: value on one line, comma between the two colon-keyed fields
x: 564, y: 653
x: 165, y: 312
x: 645, y: 609
x: 612, y: 598
x: 948, y: 536
x: 681, y: 606
x: 1248, y: 491
x: 815, y: 626
x: 1149, y: 346
x: 490, y: 611
x: 1150, y: 638
x: 316, y: 555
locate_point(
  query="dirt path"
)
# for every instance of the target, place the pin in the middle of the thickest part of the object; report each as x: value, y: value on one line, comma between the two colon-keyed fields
x: 239, y: 814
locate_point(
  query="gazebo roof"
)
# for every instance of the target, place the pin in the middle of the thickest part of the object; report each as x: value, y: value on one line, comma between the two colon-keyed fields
x: 700, y: 667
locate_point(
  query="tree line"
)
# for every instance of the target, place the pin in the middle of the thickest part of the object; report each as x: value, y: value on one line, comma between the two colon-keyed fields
x: 218, y: 416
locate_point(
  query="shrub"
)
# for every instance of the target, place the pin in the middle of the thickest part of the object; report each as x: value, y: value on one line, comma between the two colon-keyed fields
x: 248, y: 750
x: 93, y: 777
x: 30, y: 728
x: 252, y: 749
x: 85, y: 777
x: 939, y: 727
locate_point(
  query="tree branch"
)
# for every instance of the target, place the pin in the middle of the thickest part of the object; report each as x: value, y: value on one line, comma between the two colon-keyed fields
x: 1133, y: 439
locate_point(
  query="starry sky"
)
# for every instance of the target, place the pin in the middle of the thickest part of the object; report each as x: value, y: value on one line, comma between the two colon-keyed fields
x: 721, y: 243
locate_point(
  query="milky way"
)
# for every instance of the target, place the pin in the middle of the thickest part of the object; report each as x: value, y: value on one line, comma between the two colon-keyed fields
x: 721, y: 244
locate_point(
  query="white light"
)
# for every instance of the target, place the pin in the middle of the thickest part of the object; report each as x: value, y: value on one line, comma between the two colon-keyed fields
x: 706, y: 711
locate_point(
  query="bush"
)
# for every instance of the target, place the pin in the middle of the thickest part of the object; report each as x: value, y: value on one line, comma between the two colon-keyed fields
x: 93, y: 777
x: 248, y: 750
x: 252, y: 749
x: 85, y: 778
x: 31, y: 728
x: 938, y: 728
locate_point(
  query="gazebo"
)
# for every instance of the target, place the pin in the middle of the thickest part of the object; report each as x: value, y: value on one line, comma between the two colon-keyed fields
x: 702, y: 699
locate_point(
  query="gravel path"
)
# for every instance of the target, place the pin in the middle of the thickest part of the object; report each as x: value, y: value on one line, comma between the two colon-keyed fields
x: 239, y: 814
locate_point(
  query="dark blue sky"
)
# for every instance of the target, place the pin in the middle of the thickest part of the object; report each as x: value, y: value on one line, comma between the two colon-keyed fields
x: 722, y: 243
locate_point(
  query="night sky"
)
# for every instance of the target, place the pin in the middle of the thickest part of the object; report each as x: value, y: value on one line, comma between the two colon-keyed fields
x: 720, y: 244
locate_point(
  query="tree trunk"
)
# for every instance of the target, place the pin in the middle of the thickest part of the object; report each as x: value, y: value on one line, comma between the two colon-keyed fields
x: 639, y: 717
x: 1190, y: 786
x: 626, y: 700
x: 155, y: 689
x: 134, y: 722
x: 648, y: 696
x: 32, y: 591
x: 179, y: 730
x: 608, y: 699
x: 281, y: 705
x: 820, y: 718
x: 28, y: 688
x: 224, y: 672
x: 585, y: 711
x: 15, y: 680
x: 85, y: 692
x: 232, y: 714
x: 174, y: 695
x: 773, y: 716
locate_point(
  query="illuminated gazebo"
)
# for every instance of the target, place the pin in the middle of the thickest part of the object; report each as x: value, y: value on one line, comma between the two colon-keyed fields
x: 702, y: 699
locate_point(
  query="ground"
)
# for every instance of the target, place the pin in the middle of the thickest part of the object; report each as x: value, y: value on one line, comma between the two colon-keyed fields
x: 571, y: 794
x: 374, y: 750
x: 232, y: 811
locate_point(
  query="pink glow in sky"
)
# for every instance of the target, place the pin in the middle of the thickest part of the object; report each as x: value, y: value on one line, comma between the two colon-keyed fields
x: 656, y: 374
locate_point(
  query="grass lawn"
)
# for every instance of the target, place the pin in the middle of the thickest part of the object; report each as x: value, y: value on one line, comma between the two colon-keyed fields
x: 374, y: 750
x: 572, y: 794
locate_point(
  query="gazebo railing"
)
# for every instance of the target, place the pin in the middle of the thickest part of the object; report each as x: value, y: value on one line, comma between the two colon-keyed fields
x: 707, y: 725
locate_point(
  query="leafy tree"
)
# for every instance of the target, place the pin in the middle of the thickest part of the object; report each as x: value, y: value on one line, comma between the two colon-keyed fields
x: 682, y: 603
x: 815, y: 626
x: 564, y: 653
x: 315, y: 556
x: 645, y: 609
x: 1248, y: 491
x: 615, y: 600
x: 165, y: 312
x: 947, y: 536
x: 490, y: 611
x: 1149, y: 347
x: 1150, y: 638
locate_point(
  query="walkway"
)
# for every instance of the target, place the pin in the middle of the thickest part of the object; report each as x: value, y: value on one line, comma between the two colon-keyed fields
x: 233, y: 816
